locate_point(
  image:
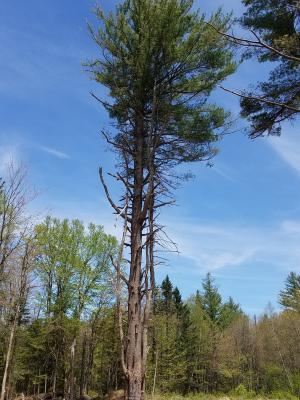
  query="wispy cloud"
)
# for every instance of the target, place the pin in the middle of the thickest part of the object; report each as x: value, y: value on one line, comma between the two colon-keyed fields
x: 8, y: 154
x: 225, y: 172
x: 288, y: 148
x: 54, y: 152
x: 45, y: 65
x: 220, y: 245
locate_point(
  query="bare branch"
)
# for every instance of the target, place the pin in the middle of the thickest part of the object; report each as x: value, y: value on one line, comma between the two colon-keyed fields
x: 122, y: 276
x: 254, y: 43
x: 114, y: 206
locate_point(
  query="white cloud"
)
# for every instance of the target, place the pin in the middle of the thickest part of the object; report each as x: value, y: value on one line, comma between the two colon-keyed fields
x: 287, y: 147
x: 54, y: 152
x: 221, y: 245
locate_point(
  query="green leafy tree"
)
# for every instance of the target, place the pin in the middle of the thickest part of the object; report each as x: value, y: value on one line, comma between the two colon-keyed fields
x: 102, y: 353
x: 73, y: 266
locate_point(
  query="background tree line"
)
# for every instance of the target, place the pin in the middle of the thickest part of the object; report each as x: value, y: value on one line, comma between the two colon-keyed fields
x: 59, y: 324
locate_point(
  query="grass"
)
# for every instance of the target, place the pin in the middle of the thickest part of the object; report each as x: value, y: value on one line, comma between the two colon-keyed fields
x: 203, y: 396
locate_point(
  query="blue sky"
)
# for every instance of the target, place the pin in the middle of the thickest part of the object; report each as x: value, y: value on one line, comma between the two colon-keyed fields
x: 240, y: 219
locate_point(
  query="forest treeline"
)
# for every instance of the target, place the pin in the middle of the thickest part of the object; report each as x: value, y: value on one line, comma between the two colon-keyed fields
x: 59, y: 329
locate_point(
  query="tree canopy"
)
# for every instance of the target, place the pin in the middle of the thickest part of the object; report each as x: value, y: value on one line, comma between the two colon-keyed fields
x: 160, y: 60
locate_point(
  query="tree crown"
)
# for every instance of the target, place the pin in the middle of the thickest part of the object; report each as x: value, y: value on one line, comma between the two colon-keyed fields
x: 161, y: 61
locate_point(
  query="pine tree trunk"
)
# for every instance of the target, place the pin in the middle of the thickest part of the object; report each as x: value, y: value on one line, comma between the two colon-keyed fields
x: 134, y: 356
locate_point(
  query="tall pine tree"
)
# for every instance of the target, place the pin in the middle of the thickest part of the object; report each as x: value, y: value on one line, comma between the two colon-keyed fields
x: 160, y: 62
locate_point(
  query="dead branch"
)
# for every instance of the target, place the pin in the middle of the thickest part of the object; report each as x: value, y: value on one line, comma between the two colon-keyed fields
x: 111, y: 202
x: 122, y: 276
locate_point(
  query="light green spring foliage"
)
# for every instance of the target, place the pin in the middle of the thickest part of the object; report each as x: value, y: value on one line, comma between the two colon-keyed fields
x: 194, y: 354
x: 159, y: 59
x: 73, y: 270
x: 73, y: 265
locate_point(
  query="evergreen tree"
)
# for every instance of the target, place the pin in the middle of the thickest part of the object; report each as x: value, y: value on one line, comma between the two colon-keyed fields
x: 170, y: 329
x: 160, y: 62
x: 229, y: 312
x: 167, y: 295
x: 183, y: 316
x: 289, y: 298
x: 276, y: 24
x: 199, y: 347
x: 178, y: 303
x: 211, y: 299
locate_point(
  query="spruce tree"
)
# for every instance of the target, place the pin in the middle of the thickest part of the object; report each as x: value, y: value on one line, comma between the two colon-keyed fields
x: 229, y: 312
x: 167, y: 295
x: 211, y: 299
x: 289, y: 298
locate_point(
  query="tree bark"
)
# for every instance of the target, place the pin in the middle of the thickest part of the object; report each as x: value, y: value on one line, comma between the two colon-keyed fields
x: 83, y: 368
x: 70, y: 395
x: 9, y: 352
x: 134, y: 355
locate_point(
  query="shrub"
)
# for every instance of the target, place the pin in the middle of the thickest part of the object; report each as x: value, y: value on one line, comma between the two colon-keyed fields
x: 242, y: 391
